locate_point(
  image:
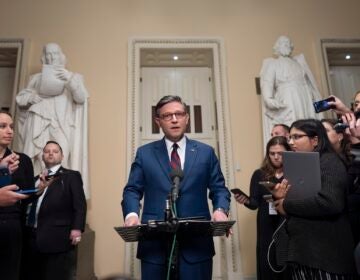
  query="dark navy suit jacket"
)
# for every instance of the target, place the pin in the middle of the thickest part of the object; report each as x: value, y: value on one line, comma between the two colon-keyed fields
x: 150, y: 178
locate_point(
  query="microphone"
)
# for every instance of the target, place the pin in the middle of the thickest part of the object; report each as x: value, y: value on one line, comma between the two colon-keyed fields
x: 176, y: 176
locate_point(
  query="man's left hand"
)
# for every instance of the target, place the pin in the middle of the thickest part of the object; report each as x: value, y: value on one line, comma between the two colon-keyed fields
x: 220, y: 216
x: 75, y: 236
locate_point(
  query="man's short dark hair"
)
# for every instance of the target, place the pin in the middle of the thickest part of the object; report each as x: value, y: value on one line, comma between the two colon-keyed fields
x: 53, y: 142
x: 168, y: 99
x: 284, y: 126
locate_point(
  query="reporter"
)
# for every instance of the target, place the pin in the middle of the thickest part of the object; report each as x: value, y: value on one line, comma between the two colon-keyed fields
x: 267, y: 218
x: 10, y: 215
x: 338, y: 140
x: 320, y: 239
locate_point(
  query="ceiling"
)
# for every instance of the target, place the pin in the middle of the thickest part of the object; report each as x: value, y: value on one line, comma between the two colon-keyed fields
x: 186, y: 58
x: 336, y: 56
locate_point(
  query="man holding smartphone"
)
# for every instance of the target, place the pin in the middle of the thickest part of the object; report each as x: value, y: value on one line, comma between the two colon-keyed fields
x: 55, y: 220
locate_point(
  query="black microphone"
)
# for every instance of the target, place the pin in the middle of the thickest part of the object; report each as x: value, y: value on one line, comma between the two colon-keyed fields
x: 176, y: 176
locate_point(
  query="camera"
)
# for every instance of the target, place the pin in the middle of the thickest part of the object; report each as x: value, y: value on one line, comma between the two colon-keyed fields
x: 323, y: 105
x: 340, y: 126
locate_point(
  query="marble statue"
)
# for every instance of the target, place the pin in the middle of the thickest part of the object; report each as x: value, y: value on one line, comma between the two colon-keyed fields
x: 53, y: 106
x: 288, y: 88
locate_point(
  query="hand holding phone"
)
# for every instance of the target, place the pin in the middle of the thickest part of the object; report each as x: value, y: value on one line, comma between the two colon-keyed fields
x: 27, y: 191
x: 323, y: 105
x: 52, y: 176
x: 240, y: 196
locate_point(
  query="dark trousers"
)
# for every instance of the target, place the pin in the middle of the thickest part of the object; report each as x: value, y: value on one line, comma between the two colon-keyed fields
x: 10, y: 248
x: 187, y: 271
x: 45, y: 266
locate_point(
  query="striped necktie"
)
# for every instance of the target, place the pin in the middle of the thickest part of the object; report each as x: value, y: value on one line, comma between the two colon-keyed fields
x: 175, y: 159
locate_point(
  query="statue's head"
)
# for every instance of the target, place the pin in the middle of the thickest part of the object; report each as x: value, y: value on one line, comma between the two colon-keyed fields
x: 283, y: 46
x: 53, y: 55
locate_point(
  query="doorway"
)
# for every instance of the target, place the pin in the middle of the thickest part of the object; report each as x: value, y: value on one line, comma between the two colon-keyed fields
x: 342, y: 67
x: 227, y: 262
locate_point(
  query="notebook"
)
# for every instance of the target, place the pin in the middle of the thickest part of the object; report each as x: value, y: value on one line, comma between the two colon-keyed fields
x: 302, y: 170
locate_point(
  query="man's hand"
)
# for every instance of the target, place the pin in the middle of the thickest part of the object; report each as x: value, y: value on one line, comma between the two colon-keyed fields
x: 9, y: 197
x: 132, y: 221
x: 220, y: 216
x: 340, y: 107
x: 75, y: 236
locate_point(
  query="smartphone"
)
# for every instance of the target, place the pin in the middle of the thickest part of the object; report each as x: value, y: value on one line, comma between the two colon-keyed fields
x: 323, y: 105
x: 268, y: 185
x: 5, y: 176
x: 29, y: 191
x: 239, y: 192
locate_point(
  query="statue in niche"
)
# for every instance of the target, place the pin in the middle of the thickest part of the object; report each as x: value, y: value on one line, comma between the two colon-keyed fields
x: 288, y: 88
x: 53, y: 106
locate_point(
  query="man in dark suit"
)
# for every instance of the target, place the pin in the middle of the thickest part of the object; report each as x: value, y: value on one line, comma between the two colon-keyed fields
x: 55, y: 220
x: 150, y: 178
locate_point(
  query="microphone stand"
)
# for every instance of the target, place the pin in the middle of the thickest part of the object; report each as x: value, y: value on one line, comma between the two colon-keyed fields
x: 172, y: 225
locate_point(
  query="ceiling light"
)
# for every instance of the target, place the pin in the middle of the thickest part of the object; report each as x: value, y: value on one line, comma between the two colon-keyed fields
x: 175, y: 57
x: 348, y: 56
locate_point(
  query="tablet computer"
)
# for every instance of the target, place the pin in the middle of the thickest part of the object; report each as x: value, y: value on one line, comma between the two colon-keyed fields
x: 302, y: 170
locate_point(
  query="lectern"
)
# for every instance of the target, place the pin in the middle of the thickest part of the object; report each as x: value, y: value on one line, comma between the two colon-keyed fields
x: 166, y: 230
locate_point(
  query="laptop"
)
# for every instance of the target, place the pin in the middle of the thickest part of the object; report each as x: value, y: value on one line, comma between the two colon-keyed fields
x: 302, y: 170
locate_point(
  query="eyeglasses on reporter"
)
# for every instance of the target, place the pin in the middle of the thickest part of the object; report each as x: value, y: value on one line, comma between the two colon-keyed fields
x: 295, y: 137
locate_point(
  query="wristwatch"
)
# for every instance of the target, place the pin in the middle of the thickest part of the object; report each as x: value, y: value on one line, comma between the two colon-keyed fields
x: 222, y: 210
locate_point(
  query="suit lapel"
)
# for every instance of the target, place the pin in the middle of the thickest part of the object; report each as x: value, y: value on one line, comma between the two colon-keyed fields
x: 162, y: 156
x: 190, y: 157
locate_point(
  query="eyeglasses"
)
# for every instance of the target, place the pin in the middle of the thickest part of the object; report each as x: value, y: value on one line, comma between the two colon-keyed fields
x: 170, y: 116
x: 295, y: 137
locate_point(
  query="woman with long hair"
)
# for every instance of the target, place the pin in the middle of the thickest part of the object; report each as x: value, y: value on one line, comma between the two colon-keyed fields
x: 267, y: 218
x: 10, y: 215
x: 320, y: 243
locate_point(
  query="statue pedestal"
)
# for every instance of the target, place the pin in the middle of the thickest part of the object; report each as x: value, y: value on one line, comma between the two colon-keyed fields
x: 85, y: 256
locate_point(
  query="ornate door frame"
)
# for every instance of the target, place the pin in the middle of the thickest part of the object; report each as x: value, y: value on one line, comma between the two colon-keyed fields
x: 227, y: 262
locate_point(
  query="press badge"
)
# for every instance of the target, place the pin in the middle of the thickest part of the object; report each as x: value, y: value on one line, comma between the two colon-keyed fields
x: 272, y: 210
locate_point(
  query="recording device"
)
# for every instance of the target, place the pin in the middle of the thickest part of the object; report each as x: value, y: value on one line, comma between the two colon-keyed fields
x: 239, y: 192
x: 5, y: 176
x: 268, y: 185
x: 29, y: 191
x: 340, y: 126
x: 176, y: 176
x: 323, y: 105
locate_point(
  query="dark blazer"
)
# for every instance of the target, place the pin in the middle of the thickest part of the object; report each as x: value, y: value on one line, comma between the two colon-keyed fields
x: 318, y: 227
x: 62, y: 209
x: 149, y: 178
